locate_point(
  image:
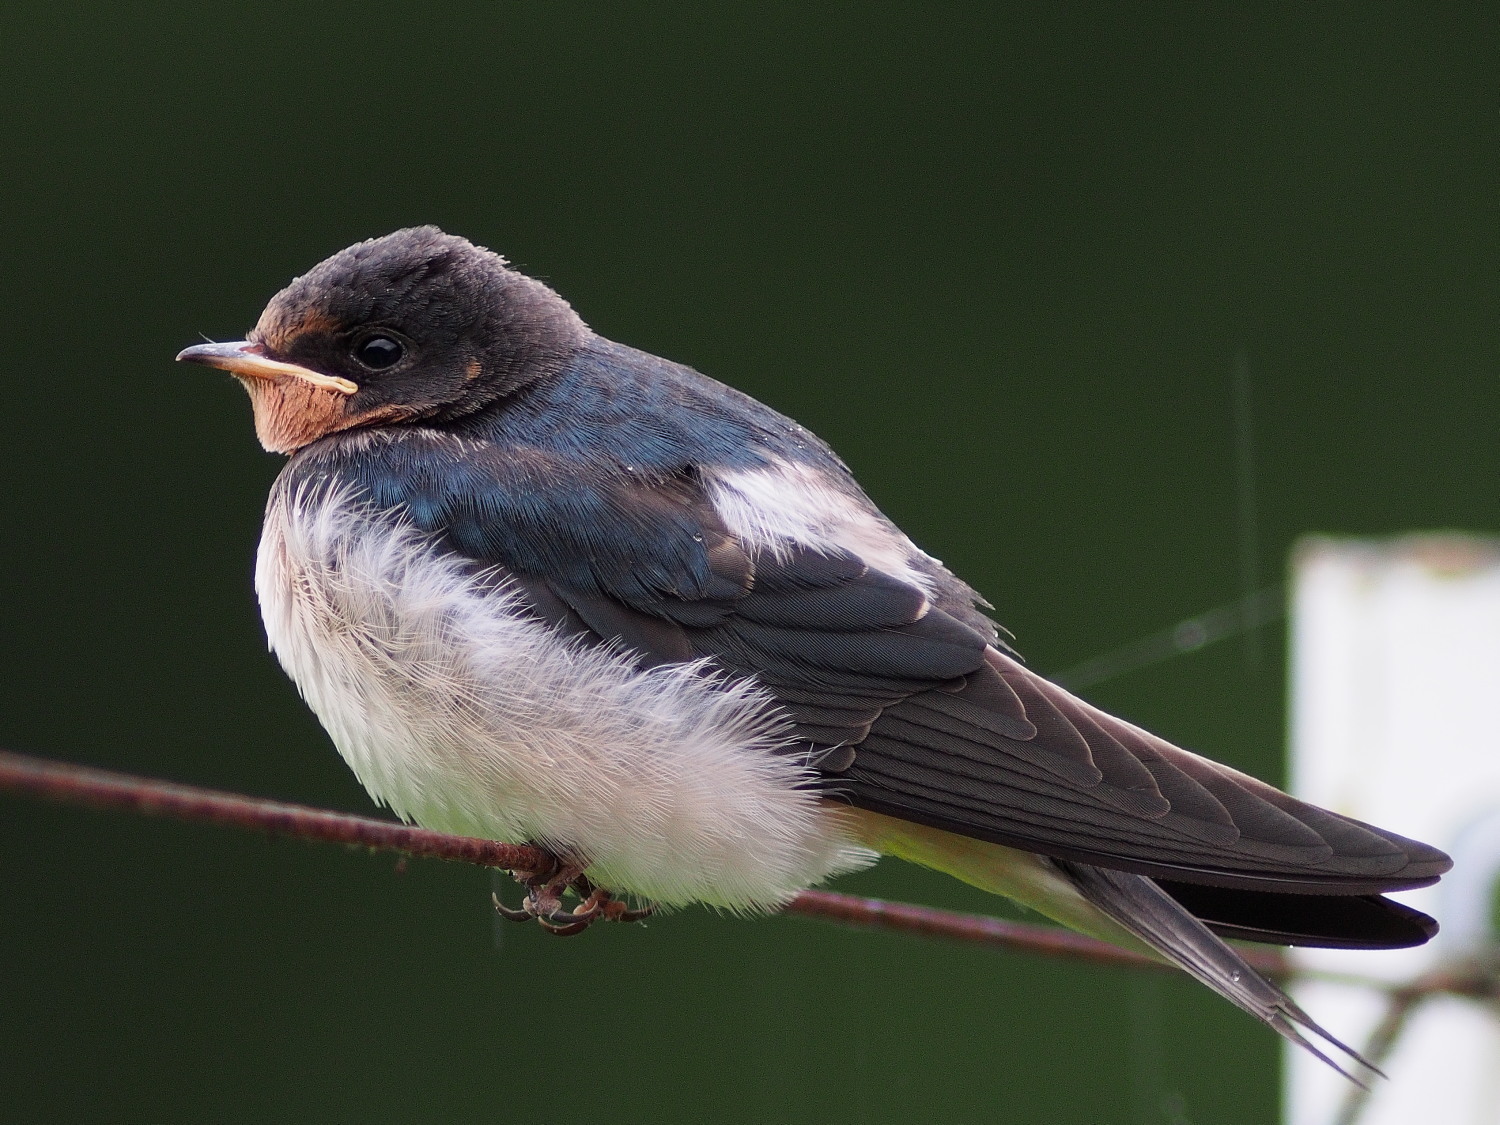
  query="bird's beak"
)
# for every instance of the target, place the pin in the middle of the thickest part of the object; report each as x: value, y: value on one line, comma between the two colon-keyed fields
x: 247, y: 360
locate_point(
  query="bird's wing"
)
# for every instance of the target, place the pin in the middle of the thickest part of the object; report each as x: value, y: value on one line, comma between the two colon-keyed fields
x: 908, y: 708
x: 1092, y: 788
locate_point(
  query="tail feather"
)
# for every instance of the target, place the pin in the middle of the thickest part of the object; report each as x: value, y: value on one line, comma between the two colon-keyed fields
x: 1138, y: 905
x: 1117, y: 906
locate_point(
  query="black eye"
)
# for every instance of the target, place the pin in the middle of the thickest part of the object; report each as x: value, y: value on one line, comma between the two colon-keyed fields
x: 378, y: 352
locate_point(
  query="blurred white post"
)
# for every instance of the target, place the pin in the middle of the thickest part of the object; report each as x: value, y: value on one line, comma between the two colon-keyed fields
x: 1395, y: 719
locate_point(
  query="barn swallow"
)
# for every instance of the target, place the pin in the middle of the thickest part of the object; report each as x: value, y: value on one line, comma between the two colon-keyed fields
x: 541, y: 586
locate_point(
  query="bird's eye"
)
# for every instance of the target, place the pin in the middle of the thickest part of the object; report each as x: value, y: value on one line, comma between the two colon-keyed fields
x: 378, y: 352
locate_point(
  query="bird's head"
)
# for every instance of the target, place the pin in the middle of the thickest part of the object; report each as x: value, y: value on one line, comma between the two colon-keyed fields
x: 416, y: 325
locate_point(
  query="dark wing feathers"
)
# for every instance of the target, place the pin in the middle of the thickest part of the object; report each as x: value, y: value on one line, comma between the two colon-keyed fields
x: 899, y: 695
x: 655, y: 639
x: 1127, y: 800
x: 1338, y: 921
x: 985, y: 702
x: 860, y: 604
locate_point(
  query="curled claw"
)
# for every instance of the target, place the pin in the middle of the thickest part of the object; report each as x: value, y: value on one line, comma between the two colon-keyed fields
x: 562, y: 931
x: 598, y: 907
x: 619, y: 912
x: 592, y: 907
x: 509, y: 914
x: 543, y: 903
x: 562, y: 917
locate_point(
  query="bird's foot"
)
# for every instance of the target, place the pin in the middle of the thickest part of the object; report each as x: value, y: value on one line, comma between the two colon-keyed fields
x: 544, y: 901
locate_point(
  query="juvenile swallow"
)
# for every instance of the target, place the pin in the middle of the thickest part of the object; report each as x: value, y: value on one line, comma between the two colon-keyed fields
x: 541, y: 586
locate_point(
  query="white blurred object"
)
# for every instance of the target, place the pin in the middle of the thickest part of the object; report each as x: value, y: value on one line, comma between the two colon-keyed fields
x: 1395, y: 720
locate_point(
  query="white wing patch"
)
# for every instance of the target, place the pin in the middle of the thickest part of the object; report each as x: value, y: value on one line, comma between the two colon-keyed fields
x: 790, y: 504
x: 464, y: 714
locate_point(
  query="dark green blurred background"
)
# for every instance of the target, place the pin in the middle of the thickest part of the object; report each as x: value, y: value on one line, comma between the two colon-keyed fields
x: 1003, y: 257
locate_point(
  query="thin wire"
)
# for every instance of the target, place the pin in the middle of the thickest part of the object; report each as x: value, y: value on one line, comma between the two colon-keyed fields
x: 1249, y: 517
x: 498, y: 885
x: 1242, y: 616
x: 1147, y: 1073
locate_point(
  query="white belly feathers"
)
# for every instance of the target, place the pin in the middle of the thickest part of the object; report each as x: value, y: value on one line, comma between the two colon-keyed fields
x: 462, y: 713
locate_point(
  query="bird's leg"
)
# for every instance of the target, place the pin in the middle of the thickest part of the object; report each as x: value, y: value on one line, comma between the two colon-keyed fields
x: 544, y: 893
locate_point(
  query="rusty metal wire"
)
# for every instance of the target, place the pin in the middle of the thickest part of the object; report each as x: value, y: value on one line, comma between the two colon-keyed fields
x: 90, y: 787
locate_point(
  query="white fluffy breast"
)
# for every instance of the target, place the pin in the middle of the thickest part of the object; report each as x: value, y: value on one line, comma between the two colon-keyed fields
x: 464, y: 714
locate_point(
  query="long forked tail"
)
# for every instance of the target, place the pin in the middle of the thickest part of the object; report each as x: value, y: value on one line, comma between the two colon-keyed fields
x: 1153, y: 916
x: 1129, y: 910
